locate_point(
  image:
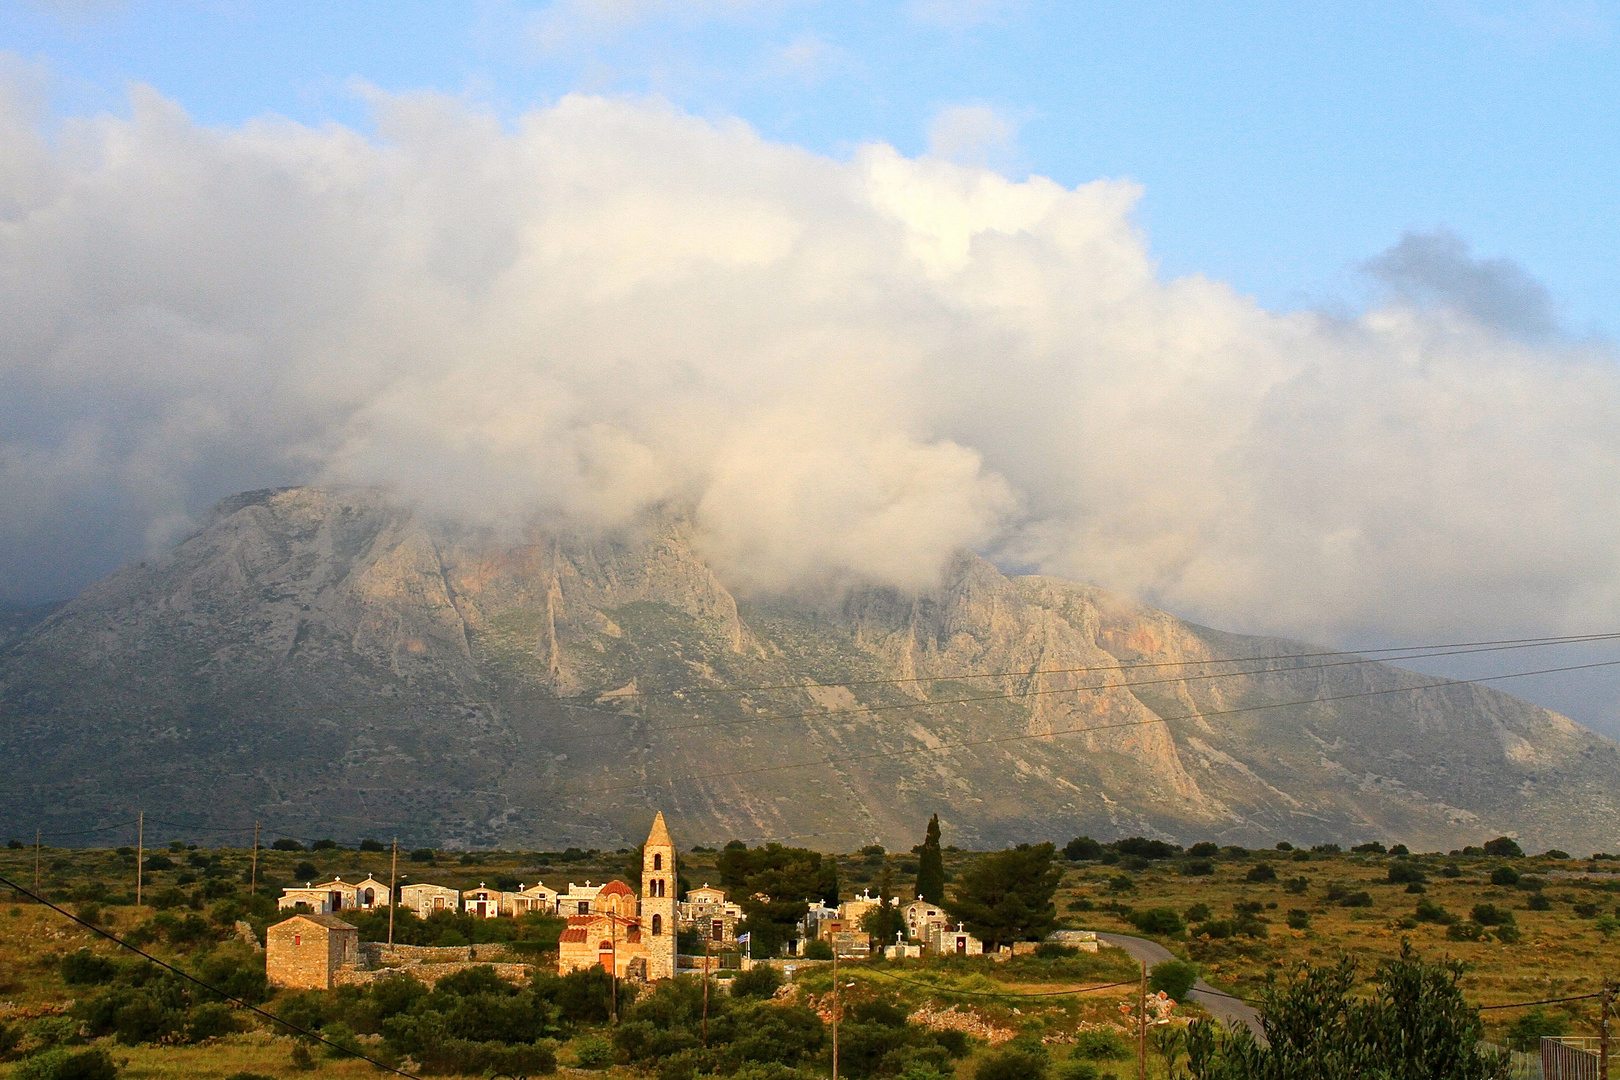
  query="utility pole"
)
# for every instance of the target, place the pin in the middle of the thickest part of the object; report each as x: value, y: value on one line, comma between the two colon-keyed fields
x: 36, y: 862
x: 835, y: 1009
x: 393, y: 881
x: 705, y: 991
x: 140, y: 853
x: 1141, y: 1026
x: 253, y: 886
x: 1603, y: 1030
x: 613, y: 930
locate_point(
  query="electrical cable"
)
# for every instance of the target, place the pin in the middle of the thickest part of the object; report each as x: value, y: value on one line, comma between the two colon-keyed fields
x: 946, y: 747
x: 211, y: 989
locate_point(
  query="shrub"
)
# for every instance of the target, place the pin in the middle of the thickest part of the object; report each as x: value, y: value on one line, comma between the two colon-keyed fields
x: 1173, y: 977
x: 1010, y: 1064
x: 1214, y: 928
x: 1555, y: 853
x: 1525, y: 1033
x: 85, y: 968
x: 1073, y: 1070
x: 1586, y: 910
x: 1196, y: 913
x: 305, y: 871
x: 1299, y: 919
x: 1121, y: 883
x: 1400, y: 849
x: 818, y: 950
x: 248, y: 1076
x: 1325, y: 849
x: 159, y: 862
x: 1099, y: 1044
x: 1298, y: 886
x: 1406, y: 873
x: 1357, y: 899
x: 1490, y: 915
x: 422, y: 855
x: 1539, y: 903
x: 1465, y: 931
x: 1283, y: 845
x: 372, y: 845
x: 761, y: 982
x: 1197, y: 868
x: 1504, y: 875
x: 1082, y: 849
x: 1370, y: 848
x: 1080, y: 904
x: 93, y: 1064
x: 324, y: 845
x: 1262, y: 872
x: 1145, y: 848
x: 1450, y: 870
x: 302, y: 1059
x: 1417, y: 888
x: 593, y: 1051
x: 1504, y: 847
x: 287, y: 844
x: 1204, y: 850
x: 210, y: 1020
x: 1159, y: 920
x: 1429, y: 911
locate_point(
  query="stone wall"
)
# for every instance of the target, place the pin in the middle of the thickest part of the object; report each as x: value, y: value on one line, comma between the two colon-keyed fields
x: 376, y: 954
x: 432, y: 973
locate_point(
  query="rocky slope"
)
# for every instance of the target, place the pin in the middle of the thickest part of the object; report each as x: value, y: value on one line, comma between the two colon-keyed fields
x: 330, y: 665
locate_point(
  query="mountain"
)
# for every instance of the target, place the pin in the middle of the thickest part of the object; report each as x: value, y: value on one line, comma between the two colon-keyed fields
x: 331, y: 664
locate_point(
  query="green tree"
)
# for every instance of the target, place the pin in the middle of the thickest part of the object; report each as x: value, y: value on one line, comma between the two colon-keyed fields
x: 884, y: 921
x: 786, y: 878
x: 931, y: 866
x: 1416, y: 1024
x: 1006, y: 896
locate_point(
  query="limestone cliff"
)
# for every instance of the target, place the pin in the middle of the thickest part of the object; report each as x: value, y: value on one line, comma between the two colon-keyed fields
x: 331, y: 665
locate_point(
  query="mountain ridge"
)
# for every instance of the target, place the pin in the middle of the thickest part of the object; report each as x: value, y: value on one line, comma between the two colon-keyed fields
x: 334, y: 664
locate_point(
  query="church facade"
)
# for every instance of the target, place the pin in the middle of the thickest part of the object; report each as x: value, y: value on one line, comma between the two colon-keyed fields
x: 631, y: 936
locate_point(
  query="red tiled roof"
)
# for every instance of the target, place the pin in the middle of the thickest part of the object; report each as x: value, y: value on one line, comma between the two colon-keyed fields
x: 573, y: 935
x: 615, y: 888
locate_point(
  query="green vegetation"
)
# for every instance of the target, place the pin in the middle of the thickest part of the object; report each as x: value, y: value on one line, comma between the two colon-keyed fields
x: 931, y: 866
x: 1006, y: 896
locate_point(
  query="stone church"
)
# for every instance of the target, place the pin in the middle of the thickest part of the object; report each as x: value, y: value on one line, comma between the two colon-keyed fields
x: 632, y: 936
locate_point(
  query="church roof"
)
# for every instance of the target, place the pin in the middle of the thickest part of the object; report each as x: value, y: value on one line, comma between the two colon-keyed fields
x: 573, y: 934
x: 660, y: 833
x: 615, y: 888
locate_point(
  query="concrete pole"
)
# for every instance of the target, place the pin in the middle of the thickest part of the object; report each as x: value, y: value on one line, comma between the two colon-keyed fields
x: 1141, y: 1026
x: 253, y: 886
x: 393, y: 882
x: 140, y: 854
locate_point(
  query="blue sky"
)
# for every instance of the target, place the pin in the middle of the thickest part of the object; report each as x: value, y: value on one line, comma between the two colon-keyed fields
x: 1278, y: 144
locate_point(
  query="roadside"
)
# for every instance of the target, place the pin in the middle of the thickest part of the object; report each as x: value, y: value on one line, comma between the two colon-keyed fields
x: 1228, y: 1010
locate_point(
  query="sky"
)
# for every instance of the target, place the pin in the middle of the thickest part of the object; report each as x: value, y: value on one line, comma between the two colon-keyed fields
x: 1289, y: 318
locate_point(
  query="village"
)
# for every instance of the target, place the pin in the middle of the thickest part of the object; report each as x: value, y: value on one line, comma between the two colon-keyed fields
x: 634, y: 936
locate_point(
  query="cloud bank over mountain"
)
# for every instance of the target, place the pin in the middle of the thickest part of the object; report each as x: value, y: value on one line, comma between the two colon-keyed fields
x: 846, y: 368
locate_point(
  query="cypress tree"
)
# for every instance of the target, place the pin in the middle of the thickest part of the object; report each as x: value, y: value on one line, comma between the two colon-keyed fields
x: 931, y: 867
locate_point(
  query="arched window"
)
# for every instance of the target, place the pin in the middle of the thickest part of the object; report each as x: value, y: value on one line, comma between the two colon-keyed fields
x: 658, y: 861
x: 370, y: 897
x: 658, y: 925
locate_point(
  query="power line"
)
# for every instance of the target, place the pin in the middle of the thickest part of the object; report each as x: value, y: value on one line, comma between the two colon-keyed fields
x: 945, y: 747
x: 1021, y: 694
x: 120, y: 942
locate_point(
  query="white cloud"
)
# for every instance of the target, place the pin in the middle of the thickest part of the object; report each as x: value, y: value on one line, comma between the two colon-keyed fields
x: 845, y: 368
x: 972, y: 135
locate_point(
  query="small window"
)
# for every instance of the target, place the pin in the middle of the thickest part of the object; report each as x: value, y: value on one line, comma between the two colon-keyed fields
x: 657, y: 925
x: 298, y: 939
x: 584, y: 907
x: 658, y: 861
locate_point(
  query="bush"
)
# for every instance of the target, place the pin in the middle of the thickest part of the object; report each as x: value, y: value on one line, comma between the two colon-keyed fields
x: 1010, y: 1064
x: 1504, y: 847
x: 85, y: 968
x: 1555, y: 853
x: 1262, y: 872
x: 1173, y: 977
x: 1491, y: 915
x: 287, y: 844
x: 210, y: 1020
x: 1074, y: 1070
x: 1297, y: 886
x: 305, y: 871
x: 422, y: 855
x: 1450, y: 870
x: 1539, y: 903
x: 1400, y: 849
x: 324, y: 845
x: 1197, y: 868
x: 1465, y: 931
x: 1586, y: 910
x: 1371, y: 848
x: 1406, y: 873
x: 94, y: 1064
x: 1121, y: 883
x: 1055, y: 950
x: 1100, y: 1044
x: 1145, y: 848
x: 159, y: 862
x: 372, y: 845
x: 593, y: 1051
x: 1299, y: 919
x: 1082, y: 849
x: 1504, y: 875
x: 818, y: 950
x: 1159, y: 920
x: 1357, y: 899
x: 761, y: 982
x: 1204, y: 850
x: 1429, y: 911
x: 1080, y: 904
x: 1525, y: 1034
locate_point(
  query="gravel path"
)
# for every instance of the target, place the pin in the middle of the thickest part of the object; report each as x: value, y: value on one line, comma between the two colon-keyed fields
x: 1227, y: 1010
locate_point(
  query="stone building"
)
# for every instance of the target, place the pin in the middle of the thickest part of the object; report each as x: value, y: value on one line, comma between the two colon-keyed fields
x: 921, y: 916
x: 578, y: 899
x: 335, y: 895
x: 425, y: 899
x: 943, y: 941
x: 534, y: 898
x: 630, y: 936
x: 707, y: 911
x: 306, y: 952
x: 486, y: 903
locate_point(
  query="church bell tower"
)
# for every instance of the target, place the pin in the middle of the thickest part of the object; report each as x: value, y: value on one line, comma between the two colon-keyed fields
x: 658, y: 900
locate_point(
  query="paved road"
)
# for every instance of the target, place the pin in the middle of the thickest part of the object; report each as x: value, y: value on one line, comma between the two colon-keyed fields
x: 1227, y: 1010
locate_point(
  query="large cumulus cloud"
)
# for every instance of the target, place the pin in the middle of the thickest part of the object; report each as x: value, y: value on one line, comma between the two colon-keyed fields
x: 845, y: 369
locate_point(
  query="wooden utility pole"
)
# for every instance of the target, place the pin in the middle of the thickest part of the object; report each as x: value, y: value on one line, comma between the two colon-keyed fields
x: 1141, y: 1026
x: 36, y: 862
x: 1603, y: 1030
x: 835, y: 1008
x: 253, y: 887
x: 393, y: 882
x: 140, y: 854
x: 705, y: 990
x: 613, y: 931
